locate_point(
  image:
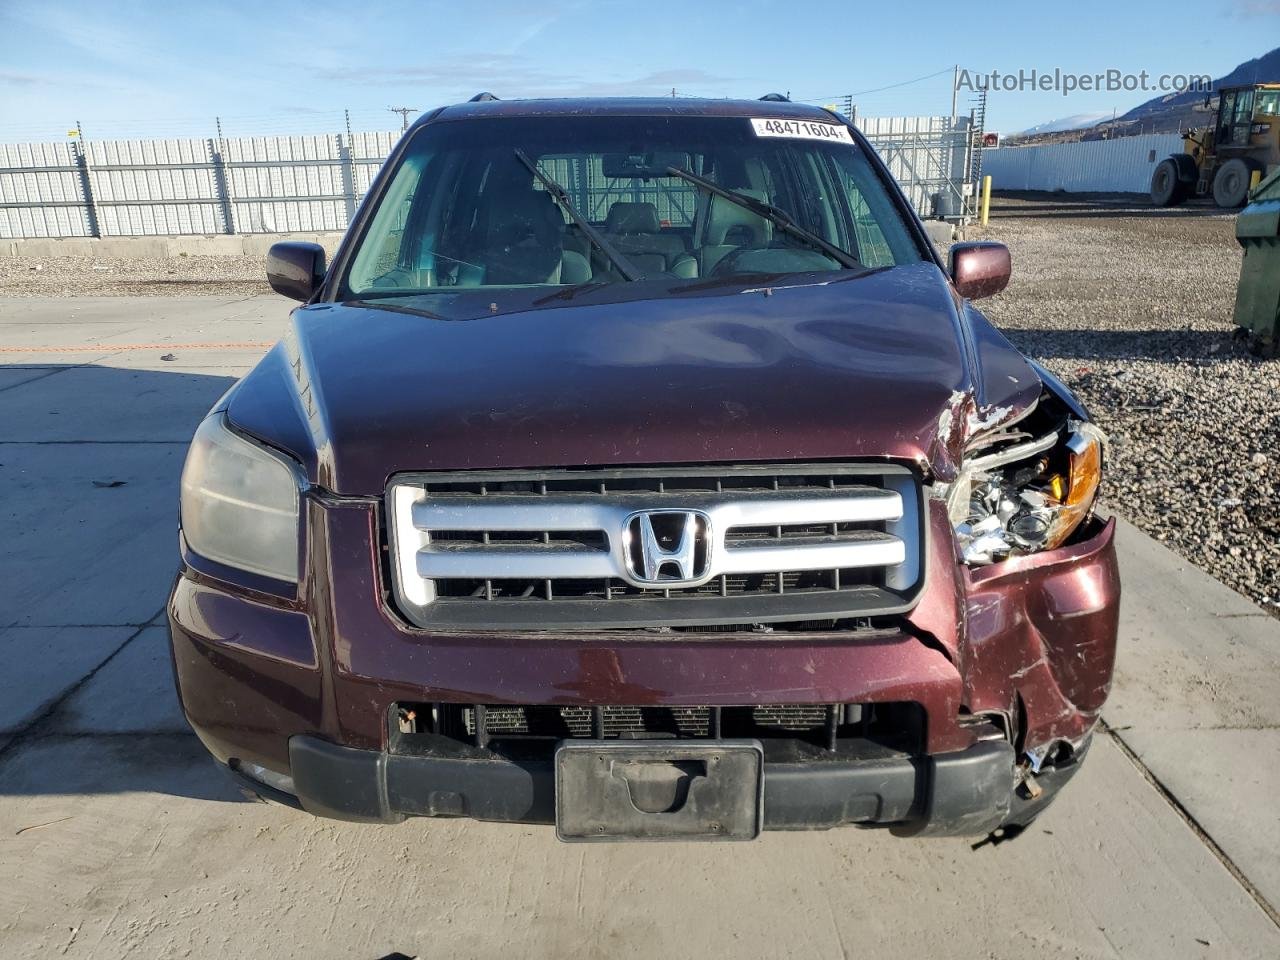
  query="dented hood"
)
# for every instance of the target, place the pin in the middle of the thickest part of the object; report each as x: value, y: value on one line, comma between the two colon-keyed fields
x: 884, y: 365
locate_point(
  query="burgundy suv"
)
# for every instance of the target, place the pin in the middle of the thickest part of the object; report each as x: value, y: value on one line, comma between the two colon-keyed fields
x: 637, y: 466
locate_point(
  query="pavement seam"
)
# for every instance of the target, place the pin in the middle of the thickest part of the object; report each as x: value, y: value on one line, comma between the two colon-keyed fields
x: 24, y: 734
x: 1265, y: 905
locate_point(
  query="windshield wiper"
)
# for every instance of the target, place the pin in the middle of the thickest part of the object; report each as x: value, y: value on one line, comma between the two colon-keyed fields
x: 561, y: 196
x: 775, y: 215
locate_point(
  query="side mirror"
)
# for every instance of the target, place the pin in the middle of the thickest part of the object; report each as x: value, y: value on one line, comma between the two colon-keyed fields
x: 980, y: 269
x: 295, y: 269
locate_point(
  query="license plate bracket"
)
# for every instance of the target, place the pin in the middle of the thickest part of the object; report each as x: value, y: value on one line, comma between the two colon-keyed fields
x: 666, y: 790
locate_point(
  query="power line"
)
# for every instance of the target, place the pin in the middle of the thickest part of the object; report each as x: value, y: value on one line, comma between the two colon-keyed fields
x: 891, y: 86
x: 404, y: 115
x: 904, y: 83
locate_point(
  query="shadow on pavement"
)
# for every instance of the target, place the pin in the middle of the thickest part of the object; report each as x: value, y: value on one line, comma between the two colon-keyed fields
x: 174, y: 764
x: 1093, y: 206
x: 87, y: 701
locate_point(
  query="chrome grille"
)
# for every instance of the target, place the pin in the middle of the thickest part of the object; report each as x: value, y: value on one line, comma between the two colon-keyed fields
x: 563, y: 549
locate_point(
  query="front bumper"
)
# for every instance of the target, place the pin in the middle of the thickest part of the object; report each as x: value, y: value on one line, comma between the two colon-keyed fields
x: 966, y: 793
x: 1027, y: 644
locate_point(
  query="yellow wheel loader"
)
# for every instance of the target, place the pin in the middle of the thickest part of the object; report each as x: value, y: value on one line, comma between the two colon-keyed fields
x: 1223, y: 158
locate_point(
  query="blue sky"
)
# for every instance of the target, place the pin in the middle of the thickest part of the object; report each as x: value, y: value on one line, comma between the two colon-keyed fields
x: 166, y: 69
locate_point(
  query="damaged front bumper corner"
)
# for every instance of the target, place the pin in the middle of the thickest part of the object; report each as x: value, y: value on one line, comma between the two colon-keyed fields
x: 1040, y: 645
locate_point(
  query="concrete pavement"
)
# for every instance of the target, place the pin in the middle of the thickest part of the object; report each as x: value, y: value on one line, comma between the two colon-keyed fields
x: 118, y: 837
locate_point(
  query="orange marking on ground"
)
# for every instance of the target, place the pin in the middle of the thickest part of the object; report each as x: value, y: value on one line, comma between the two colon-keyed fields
x: 122, y: 347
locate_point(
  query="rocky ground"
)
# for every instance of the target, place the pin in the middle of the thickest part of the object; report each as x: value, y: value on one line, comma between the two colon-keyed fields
x: 1133, y: 309
x: 133, y: 277
x: 1130, y: 306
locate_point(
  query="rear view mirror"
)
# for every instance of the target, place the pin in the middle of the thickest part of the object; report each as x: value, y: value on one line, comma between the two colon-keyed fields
x: 980, y: 269
x: 630, y: 166
x: 295, y: 269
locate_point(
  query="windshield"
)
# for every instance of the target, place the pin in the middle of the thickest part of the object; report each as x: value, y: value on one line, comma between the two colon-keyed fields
x: 515, y: 209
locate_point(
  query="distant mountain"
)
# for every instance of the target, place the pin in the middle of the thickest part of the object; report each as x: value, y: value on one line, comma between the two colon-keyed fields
x: 1170, y: 113
x: 1189, y: 108
x: 1076, y: 121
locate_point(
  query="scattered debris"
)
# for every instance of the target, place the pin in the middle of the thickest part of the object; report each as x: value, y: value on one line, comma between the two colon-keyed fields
x: 998, y: 836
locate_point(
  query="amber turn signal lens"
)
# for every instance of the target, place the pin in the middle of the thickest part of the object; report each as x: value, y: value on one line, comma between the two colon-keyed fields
x: 1085, y: 451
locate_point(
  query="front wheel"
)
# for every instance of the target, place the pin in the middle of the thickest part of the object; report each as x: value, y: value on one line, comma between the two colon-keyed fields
x: 1231, y: 183
x: 1167, y: 189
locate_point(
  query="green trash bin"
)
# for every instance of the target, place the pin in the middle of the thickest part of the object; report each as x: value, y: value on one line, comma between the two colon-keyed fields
x: 1258, y: 296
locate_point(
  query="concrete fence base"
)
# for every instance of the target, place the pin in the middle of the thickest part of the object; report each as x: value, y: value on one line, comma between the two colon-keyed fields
x: 119, y: 248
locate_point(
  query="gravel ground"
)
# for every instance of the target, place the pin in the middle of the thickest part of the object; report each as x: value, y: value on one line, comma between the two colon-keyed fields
x: 159, y: 276
x: 1130, y: 306
x: 1132, y: 309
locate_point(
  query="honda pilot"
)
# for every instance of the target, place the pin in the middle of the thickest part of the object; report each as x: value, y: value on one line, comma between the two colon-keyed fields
x: 639, y: 467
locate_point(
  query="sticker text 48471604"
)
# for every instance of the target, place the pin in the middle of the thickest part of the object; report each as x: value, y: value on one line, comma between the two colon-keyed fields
x: 801, y: 130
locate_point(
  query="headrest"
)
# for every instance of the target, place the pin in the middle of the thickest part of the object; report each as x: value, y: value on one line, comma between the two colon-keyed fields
x: 521, y: 214
x: 724, y: 215
x: 624, y: 217
x: 525, y: 237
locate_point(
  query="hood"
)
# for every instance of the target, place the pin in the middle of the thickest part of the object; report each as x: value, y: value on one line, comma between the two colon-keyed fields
x: 883, y: 365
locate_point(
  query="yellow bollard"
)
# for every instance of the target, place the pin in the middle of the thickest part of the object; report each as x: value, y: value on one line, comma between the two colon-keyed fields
x: 986, y: 201
x: 1254, y: 180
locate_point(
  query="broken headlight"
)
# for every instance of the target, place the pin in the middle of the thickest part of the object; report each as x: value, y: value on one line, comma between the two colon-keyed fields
x: 1029, y: 496
x: 240, y: 502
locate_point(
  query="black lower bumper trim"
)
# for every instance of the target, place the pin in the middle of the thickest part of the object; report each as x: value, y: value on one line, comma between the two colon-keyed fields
x: 954, y: 794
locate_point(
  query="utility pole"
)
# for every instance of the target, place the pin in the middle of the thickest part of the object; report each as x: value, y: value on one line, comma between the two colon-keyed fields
x: 404, y: 115
x: 955, y: 86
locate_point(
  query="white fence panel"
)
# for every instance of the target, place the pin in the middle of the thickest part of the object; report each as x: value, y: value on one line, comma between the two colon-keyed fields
x: 41, y: 193
x: 194, y: 186
x: 154, y: 187
x: 1123, y: 165
x: 928, y: 156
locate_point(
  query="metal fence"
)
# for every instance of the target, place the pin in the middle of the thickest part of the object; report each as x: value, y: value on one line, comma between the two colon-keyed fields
x: 1123, y: 165
x: 934, y: 159
x: 123, y: 188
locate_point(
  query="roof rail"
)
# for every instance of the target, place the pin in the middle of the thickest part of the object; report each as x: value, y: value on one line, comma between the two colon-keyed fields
x: 776, y: 98
x: 484, y: 97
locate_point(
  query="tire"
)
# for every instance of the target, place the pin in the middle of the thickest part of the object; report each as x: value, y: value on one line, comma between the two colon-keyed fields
x: 1166, y: 187
x: 1231, y: 183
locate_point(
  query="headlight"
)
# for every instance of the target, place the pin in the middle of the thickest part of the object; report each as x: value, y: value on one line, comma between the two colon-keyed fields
x: 240, y: 503
x: 1030, y: 496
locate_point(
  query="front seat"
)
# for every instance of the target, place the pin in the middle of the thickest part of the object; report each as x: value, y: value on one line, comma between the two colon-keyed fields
x: 729, y: 227
x: 635, y: 230
x: 525, y: 242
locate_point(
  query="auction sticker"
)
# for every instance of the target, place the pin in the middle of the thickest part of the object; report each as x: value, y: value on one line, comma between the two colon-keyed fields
x: 801, y: 130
